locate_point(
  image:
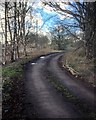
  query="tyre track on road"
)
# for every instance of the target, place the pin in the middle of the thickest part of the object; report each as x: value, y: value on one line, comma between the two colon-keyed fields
x: 40, y: 94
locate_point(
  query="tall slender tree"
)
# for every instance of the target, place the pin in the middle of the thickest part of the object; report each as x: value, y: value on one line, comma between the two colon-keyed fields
x: 6, y: 21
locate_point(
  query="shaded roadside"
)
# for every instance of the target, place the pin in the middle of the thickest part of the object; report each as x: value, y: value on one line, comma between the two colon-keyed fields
x: 13, y: 90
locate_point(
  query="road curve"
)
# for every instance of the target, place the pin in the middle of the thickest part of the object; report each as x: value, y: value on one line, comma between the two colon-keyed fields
x: 42, y: 100
x: 76, y: 87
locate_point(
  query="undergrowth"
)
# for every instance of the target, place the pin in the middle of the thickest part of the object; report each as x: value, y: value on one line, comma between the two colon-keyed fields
x: 78, y: 62
x: 13, y: 90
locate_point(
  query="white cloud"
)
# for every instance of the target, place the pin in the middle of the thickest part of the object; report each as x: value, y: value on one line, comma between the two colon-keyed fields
x: 62, y: 17
x: 36, y: 4
x: 38, y: 17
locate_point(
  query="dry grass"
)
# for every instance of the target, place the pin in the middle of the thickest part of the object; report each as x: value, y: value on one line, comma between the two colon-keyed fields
x: 76, y: 61
x: 31, y: 53
x: 37, y: 52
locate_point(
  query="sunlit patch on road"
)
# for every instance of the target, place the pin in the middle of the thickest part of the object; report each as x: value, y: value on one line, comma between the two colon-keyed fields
x: 33, y: 63
x: 42, y: 57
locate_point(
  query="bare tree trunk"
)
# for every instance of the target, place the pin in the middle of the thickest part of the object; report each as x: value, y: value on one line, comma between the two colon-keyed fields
x: 18, y: 31
x: 6, y: 10
x: 13, y: 54
x: 36, y: 41
x: 23, y: 26
x: 90, y: 30
x: 10, y: 32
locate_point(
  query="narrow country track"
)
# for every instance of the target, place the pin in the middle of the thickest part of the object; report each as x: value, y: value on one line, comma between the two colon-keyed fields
x: 42, y: 99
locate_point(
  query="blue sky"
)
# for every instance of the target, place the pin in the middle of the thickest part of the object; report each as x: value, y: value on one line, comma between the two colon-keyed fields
x: 50, y: 19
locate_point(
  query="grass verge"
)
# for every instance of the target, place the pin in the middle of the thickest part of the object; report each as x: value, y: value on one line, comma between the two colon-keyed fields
x: 13, y: 90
